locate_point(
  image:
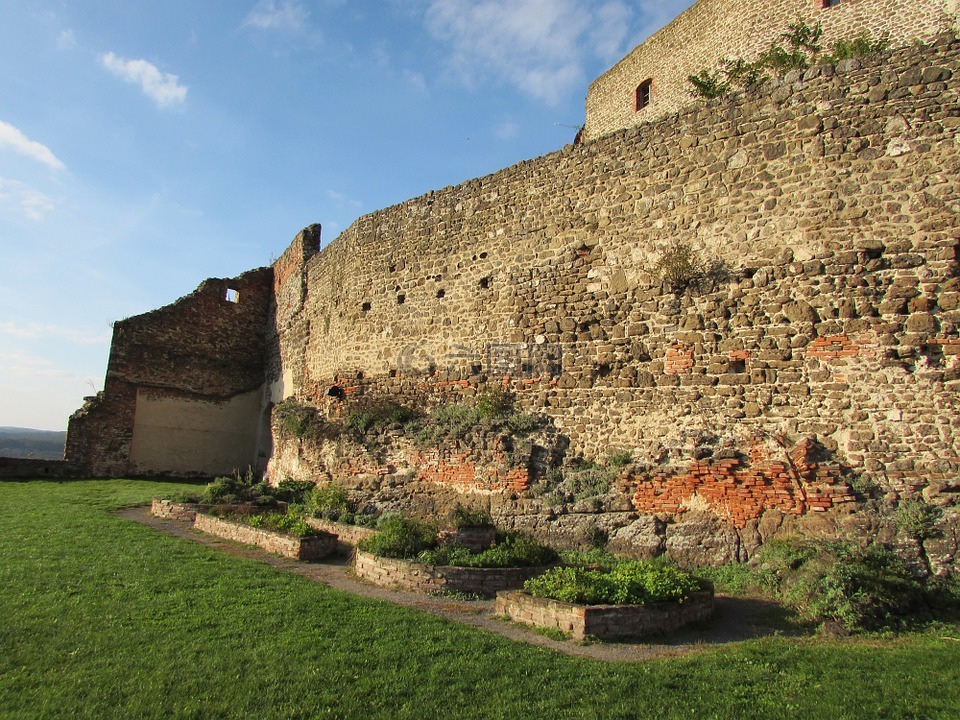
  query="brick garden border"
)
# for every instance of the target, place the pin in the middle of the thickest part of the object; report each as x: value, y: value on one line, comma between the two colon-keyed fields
x: 409, y: 575
x: 307, y: 548
x: 605, y: 622
x: 348, y: 535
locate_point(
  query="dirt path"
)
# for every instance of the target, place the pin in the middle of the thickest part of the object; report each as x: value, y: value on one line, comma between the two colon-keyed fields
x: 735, y: 618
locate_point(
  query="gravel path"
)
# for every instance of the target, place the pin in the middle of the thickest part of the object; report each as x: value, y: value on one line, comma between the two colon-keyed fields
x: 735, y: 618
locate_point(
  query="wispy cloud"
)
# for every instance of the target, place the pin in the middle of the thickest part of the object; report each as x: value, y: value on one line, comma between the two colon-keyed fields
x: 12, y: 138
x: 24, y: 200
x: 344, y: 201
x: 37, y: 331
x: 161, y: 87
x: 415, y: 80
x: 536, y: 45
x: 66, y: 40
x: 273, y: 15
x: 507, y: 130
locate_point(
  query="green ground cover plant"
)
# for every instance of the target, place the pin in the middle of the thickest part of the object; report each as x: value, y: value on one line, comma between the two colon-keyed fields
x: 407, y: 539
x: 636, y: 582
x: 101, y: 618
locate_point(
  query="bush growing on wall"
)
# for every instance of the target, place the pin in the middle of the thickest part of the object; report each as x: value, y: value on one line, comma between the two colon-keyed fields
x: 797, y: 49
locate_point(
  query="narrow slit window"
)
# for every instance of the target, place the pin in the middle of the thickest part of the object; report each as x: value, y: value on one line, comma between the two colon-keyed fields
x: 232, y: 295
x: 830, y: 3
x: 644, y: 94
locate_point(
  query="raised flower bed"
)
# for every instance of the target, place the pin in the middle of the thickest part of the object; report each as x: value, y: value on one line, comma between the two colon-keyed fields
x: 311, y: 547
x: 413, y: 556
x: 439, y: 579
x: 618, y: 601
x: 605, y: 622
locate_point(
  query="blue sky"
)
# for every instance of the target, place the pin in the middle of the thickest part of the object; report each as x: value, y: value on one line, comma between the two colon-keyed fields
x: 145, y: 146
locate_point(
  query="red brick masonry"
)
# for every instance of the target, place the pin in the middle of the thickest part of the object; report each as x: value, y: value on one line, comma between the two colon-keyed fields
x: 605, y: 622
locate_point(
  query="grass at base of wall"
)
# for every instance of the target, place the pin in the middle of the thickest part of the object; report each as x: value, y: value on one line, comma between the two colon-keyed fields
x: 103, y: 618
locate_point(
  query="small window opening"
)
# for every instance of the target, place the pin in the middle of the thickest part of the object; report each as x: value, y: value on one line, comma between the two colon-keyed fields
x: 644, y: 91
x: 441, y: 293
x: 738, y: 366
x: 232, y: 295
x: 830, y: 3
x: 366, y: 307
x: 336, y: 392
x: 485, y: 283
x: 401, y: 299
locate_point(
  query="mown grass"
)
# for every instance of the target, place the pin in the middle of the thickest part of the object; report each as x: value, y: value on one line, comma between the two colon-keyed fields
x: 104, y: 618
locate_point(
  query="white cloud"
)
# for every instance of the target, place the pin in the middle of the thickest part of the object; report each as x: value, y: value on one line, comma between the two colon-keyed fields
x: 273, y: 15
x: 507, y: 130
x: 38, y: 331
x: 415, y: 80
x: 536, y: 45
x: 344, y: 201
x: 163, y: 88
x: 66, y: 40
x: 11, y: 137
x: 24, y: 200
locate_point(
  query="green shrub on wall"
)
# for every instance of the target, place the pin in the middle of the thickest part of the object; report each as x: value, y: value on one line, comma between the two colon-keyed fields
x: 797, y: 49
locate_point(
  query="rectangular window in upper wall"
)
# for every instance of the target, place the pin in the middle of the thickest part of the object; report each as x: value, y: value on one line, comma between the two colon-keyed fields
x: 830, y: 3
x: 232, y: 296
x: 644, y: 90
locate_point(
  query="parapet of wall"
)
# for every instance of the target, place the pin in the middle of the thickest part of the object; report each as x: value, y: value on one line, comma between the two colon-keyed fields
x: 830, y: 203
x: 184, y: 387
x: 710, y: 31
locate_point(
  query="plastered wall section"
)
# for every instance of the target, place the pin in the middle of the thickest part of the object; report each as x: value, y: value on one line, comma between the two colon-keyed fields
x: 183, y: 392
x: 713, y: 30
x: 829, y: 206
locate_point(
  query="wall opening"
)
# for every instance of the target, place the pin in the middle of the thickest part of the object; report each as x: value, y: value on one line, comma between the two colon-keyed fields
x: 232, y: 296
x: 644, y: 94
x: 830, y: 3
x: 401, y: 299
x: 365, y: 307
x: 441, y: 293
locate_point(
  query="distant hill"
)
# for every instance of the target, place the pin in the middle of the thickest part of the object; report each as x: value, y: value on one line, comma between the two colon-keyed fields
x: 26, y: 443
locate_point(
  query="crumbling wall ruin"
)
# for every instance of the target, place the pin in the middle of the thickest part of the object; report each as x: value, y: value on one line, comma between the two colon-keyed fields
x: 183, y: 393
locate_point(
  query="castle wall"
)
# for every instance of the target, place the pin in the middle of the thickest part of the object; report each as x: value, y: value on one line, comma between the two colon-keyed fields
x: 184, y: 387
x: 828, y: 203
x: 711, y: 31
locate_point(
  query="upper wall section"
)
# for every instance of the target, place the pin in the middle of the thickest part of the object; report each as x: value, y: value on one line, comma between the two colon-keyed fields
x: 713, y: 30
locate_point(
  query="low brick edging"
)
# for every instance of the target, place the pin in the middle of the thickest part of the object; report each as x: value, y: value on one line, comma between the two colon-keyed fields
x: 347, y: 534
x: 170, y: 510
x: 308, y: 548
x: 605, y: 622
x: 409, y: 575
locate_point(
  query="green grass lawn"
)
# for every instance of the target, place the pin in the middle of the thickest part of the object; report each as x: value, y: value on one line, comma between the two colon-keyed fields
x: 104, y: 618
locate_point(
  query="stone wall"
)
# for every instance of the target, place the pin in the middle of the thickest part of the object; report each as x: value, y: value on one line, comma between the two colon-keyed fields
x: 183, y: 393
x: 823, y: 210
x: 714, y: 30
x: 36, y: 468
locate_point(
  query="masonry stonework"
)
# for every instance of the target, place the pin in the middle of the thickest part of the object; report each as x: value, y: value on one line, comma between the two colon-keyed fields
x: 712, y: 31
x: 816, y: 356
x: 184, y: 387
x: 825, y: 349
